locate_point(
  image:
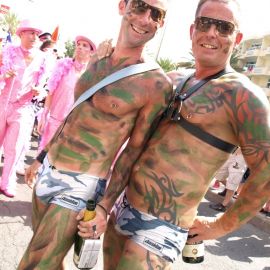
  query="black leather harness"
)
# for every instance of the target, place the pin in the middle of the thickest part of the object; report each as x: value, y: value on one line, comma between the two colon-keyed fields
x: 191, y: 128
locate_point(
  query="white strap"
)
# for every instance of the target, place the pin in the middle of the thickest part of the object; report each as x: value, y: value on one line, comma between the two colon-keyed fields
x: 125, y: 72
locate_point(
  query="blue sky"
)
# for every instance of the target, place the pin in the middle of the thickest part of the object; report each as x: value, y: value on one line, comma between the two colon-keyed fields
x: 99, y: 19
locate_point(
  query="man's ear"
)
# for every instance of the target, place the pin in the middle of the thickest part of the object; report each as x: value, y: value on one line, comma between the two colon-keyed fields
x: 191, y: 29
x: 238, y: 39
x: 122, y: 7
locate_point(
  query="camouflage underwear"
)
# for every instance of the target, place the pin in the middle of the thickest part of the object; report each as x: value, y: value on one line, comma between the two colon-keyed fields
x: 68, y: 189
x: 158, y: 236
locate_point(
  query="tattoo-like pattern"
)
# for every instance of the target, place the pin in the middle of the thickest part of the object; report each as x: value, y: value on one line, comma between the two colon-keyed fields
x: 246, y: 110
x: 162, y: 199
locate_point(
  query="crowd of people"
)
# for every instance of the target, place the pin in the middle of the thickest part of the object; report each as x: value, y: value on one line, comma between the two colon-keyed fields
x: 145, y: 146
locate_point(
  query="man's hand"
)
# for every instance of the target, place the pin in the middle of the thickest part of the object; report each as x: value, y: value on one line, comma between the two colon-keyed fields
x: 205, y: 228
x: 93, y: 228
x: 35, y: 91
x: 10, y: 73
x: 30, y: 173
x: 40, y: 126
x: 104, y: 49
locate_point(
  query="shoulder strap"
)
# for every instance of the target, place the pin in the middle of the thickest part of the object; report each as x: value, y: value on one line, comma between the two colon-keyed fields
x: 198, y: 85
x: 122, y: 73
x: 116, y: 76
x: 195, y: 130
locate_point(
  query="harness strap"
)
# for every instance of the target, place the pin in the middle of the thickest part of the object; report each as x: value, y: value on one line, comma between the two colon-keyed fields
x: 192, y: 128
x: 206, y: 137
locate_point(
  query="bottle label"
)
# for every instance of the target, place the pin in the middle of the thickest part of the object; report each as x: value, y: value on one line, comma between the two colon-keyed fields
x: 193, y: 250
x: 89, y: 253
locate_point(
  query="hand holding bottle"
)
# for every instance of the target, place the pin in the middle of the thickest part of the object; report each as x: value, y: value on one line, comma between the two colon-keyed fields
x: 205, y: 228
x: 95, y: 227
x: 86, y: 250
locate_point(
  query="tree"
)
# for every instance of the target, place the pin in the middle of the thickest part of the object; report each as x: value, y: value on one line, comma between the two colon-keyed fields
x: 70, y: 48
x: 234, y: 60
x: 10, y: 22
x: 166, y: 64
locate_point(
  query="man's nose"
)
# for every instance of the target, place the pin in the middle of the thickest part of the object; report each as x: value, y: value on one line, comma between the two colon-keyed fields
x: 213, y: 30
x: 146, y: 16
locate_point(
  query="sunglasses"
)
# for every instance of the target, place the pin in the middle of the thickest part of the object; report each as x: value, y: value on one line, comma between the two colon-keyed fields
x: 139, y: 7
x: 224, y: 28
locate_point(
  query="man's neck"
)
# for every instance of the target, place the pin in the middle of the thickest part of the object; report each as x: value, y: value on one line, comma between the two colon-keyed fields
x: 26, y: 48
x: 132, y: 55
x: 203, y: 72
x: 82, y: 60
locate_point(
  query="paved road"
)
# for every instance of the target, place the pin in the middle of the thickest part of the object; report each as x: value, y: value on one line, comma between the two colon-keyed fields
x: 248, y: 248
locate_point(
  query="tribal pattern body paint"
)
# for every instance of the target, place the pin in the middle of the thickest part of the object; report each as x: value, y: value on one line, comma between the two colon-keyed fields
x: 174, y: 172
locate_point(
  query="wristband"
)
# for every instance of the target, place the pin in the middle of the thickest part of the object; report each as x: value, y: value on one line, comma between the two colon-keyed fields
x: 41, y: 156
x: 104, y: 209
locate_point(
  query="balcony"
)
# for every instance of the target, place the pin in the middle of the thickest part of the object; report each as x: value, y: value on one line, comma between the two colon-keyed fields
x: 265, y: 52
x: 258, y: 71
x: 252, y: 52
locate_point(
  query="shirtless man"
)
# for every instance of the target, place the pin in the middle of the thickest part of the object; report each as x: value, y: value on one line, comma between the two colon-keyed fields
x: 79, y: 159
x: 149, y: 224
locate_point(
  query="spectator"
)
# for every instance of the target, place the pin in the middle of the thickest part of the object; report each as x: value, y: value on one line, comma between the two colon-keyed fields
x: 61, y: 88
x: 22, y: 72
x: 236, y: 167
x: 45, y: 36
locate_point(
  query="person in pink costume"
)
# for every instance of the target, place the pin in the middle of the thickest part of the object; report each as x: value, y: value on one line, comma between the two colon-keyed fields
x: 21, y: 72
x: 61, y: 88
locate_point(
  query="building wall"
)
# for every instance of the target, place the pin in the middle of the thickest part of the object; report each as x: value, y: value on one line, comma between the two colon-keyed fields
x: 254, y: 59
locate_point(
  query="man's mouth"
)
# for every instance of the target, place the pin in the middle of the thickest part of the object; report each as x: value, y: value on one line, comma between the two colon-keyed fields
x: 209, y: 46
x: 138, y: 30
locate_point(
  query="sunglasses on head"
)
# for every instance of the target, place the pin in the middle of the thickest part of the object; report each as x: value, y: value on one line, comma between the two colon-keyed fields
x: 224, y: 28
x: 139, y: 7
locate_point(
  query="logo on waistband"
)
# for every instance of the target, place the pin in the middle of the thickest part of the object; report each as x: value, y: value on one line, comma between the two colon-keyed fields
x: 152, y: 244
x: 70, y: 201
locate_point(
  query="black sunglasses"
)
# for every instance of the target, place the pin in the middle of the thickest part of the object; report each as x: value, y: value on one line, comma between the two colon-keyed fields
x: 224, y: 28
x: 139, y: 7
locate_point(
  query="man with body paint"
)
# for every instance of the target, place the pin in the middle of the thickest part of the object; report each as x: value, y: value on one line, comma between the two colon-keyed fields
x: 150, y: 222
x: 79, y: 158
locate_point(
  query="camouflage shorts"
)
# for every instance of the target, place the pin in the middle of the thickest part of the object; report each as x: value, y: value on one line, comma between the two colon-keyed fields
x: 68, y: 189
x: 158, y: 236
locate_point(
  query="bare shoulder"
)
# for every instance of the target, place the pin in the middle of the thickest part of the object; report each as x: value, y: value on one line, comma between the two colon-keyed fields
x: 162, y: 80
x: 243, y: 88
x: 176, y: 75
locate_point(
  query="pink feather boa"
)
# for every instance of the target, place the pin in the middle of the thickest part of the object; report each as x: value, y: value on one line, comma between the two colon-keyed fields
x: 9, y: 58
x: 62, y: 68
x: 10, y: 53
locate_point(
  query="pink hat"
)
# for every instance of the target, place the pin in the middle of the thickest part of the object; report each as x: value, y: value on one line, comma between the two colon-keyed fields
x: 91, y: 43
x: 27, y: 25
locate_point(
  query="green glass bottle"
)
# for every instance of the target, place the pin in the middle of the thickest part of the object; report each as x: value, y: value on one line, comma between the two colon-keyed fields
x: 86, y: 250
x: 193, y: 252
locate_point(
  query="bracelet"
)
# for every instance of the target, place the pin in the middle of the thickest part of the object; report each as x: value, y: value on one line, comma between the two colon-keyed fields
x: 41, y: 156
x: 104, y: 209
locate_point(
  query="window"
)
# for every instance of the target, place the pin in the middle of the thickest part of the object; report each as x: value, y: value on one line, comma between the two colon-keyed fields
x: 255, y: 46
x: 268, y: 84
x: 249, y: 66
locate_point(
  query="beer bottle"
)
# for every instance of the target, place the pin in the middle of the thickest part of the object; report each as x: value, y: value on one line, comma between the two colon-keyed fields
x: 193, y: 252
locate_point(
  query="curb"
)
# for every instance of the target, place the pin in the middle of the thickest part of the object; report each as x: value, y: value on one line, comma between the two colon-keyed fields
x: 260, y: 221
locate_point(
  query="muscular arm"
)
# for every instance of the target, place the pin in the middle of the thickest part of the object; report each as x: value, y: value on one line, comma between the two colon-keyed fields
x: 250, y: 114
